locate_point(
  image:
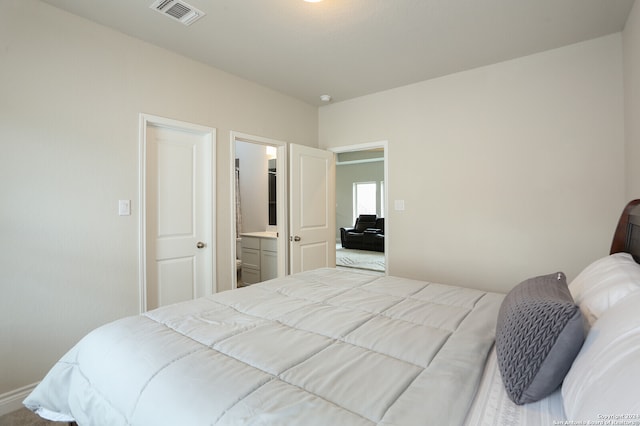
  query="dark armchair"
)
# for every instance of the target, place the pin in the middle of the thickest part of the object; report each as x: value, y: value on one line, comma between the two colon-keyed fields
x: 366, y: 234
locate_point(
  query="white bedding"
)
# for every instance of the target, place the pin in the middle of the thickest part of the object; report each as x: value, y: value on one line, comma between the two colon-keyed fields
x: 323, y: 347
x: 492, y: 406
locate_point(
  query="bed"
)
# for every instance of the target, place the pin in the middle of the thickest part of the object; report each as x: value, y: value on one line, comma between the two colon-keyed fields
x: 334, y: 347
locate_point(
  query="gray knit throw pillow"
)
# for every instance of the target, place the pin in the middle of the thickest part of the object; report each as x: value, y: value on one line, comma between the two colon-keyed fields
x: 539, y: 333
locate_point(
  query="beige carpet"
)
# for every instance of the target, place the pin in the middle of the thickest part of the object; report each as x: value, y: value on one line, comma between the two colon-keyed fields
x: 360, y: 259
x: 24, y: 417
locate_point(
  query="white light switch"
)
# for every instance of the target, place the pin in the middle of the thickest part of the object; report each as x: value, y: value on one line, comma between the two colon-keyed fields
x: 124, y: 207
x: 399, y: 205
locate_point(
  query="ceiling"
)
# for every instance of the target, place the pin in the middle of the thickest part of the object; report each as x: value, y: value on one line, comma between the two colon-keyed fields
x: 350, y: 48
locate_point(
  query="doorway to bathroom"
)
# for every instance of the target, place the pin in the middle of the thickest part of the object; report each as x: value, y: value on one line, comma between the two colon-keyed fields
x: 259, y: 197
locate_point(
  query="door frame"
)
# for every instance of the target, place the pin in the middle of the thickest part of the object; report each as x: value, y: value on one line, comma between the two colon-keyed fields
x: 363, y: 147
x: 281, y: 195
x: 146, y: 120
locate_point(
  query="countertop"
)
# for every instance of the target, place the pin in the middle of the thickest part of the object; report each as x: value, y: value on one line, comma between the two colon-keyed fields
x: 262, y: 234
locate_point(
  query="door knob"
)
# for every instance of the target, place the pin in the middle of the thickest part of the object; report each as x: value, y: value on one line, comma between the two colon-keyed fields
x: 201, y: 245
x: 296, y: 238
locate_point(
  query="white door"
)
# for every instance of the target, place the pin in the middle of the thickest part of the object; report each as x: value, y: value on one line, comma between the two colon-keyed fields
x: 180, y: 247
x: 312, y: 212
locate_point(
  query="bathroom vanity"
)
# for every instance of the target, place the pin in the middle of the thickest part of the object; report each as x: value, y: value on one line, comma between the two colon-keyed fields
x: 259, y: 256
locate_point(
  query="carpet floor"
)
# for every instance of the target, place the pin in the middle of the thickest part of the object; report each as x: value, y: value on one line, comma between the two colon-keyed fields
x: 360, y: 259
x: 24, y: 417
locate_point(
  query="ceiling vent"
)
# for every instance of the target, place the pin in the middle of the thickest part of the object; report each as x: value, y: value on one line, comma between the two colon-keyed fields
x: 178, y: 10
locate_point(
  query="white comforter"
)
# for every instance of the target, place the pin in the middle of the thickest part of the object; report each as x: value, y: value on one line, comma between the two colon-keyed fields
x: 324, y: 347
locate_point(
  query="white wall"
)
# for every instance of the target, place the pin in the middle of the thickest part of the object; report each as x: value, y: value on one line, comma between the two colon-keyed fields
x: 70, y: 95
x: 254, y: 186
x: 507, y: 171
x: 631, y: 44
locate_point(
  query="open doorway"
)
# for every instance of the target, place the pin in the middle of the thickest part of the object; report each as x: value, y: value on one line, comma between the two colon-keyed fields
x: 361, y: 204
x: 259, y: 219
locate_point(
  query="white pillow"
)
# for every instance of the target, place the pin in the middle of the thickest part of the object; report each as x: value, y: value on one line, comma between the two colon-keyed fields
x: 604, y: 283
x: 603, y: 380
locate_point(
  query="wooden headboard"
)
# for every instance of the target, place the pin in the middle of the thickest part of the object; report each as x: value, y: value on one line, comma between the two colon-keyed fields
x: 627, y: 236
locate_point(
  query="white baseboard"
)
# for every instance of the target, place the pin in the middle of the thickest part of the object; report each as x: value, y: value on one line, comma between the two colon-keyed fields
x: 12, y: 401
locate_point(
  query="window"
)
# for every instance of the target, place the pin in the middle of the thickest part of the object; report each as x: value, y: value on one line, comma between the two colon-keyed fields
x: 364, y: 198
